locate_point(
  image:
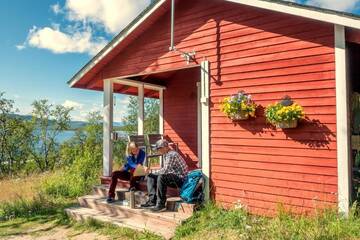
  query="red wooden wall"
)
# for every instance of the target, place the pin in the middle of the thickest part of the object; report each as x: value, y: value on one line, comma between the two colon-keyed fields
x: 180, y: 113
x: 268, y: 55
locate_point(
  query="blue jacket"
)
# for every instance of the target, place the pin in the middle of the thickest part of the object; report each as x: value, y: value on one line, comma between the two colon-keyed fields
x: 132, y: 162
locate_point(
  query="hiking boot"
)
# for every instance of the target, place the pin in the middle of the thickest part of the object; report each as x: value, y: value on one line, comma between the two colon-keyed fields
x: 110, y: 200
x: 159, y: 208
x: 148, y: 204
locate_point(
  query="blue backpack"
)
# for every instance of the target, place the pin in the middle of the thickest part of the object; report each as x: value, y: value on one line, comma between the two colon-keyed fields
x: 192, y: 188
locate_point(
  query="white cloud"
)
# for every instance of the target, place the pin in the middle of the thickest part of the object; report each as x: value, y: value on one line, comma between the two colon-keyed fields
x: 81, y: 110
x: 20, y: 46
x: 53, y: 39
x: 56, y: 8
x: 341, y: 5
x: 114, y: 15
x: 83, y: 17
x: 73, y: 104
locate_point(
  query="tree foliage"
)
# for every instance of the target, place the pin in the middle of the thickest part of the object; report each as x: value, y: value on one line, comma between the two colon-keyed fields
x: 151, y: 112
x: 14, y: 138
x: 34, y: 146
x: 82, y: 160
x: 48, y: 122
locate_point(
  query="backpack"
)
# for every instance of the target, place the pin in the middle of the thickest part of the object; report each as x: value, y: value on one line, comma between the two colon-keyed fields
x: 192, y: 188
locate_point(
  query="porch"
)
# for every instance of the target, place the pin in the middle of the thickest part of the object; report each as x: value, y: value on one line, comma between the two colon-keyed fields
x: 183, y: 112
x: 183, y: 118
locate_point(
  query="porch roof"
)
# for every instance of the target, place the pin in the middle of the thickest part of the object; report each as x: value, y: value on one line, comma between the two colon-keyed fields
x: 159, y: 7
x: 152, y: 82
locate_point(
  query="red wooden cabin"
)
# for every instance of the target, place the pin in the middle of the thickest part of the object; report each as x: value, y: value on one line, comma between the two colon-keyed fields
x: 266, y: 48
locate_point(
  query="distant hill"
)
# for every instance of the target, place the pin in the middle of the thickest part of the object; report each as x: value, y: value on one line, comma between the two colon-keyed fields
x: 73, y: 124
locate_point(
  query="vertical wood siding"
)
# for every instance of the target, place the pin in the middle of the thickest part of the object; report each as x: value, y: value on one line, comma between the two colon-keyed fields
x: 268, y: 55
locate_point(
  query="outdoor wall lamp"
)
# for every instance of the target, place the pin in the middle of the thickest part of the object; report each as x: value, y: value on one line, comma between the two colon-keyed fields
x: 189, y: 56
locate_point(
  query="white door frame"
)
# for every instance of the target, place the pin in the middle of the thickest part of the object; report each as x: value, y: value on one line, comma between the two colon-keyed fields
x: 198, y: 114
x: 205, y: 125
x: 342, y: 122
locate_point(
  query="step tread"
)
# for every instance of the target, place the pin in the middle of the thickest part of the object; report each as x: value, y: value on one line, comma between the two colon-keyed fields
x: 169, y: 216
x: 103, y: 189
x: 106, y: 187
x: 81, y: 213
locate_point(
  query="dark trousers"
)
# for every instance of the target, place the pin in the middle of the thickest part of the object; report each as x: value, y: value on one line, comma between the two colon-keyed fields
x: 157, y: 185
x: 123, y: 175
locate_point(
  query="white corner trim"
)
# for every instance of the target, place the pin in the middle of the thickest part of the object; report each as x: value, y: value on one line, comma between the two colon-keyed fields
x: 141, y: 110
x: 302, y: 12
x: 111, y: 46
x: 205, y: 127
x: 199, y: 133
x: 161, y: 111
x: 342, y: 121
x: 108, y: 128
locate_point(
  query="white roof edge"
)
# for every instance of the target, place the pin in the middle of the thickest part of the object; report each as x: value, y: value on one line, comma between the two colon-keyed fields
x: 302, y: 12
x: 272, y: 6
x: 112, y: 45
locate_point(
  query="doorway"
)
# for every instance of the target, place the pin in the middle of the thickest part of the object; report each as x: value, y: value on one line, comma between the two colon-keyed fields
x: 353, y: 55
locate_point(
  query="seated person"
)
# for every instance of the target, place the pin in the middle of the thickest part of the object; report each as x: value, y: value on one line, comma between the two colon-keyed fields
x: 135, y: 157
x: 171, y: 175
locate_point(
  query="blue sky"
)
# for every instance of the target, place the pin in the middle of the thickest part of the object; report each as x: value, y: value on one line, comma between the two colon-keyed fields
x: 45, y: 42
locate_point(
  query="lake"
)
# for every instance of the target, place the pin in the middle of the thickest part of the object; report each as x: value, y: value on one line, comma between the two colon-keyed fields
x: 65, y: 135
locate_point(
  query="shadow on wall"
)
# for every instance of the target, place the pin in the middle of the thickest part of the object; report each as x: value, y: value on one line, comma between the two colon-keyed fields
x: 310, y: 132
x: 190, y: 162
x: 319, y: 137
x: 258, y: 125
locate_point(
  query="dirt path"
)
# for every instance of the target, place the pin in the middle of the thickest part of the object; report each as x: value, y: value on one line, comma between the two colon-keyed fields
x: 49, y: 232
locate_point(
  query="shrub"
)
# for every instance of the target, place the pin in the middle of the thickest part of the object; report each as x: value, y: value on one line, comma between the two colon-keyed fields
x: 77, y: 179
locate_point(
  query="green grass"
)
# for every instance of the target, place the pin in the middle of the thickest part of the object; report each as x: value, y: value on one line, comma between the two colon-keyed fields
x: 214, y: 222
x: 49, y: 224
x: 114, y: 232
x: 24, y: 215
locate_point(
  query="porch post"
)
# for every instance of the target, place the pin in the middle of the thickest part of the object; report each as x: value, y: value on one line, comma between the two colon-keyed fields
x: 205, y: 128
x: 161, y: 111
x: 141, y: 110
x: 342, y: 121
x: 107, y: 128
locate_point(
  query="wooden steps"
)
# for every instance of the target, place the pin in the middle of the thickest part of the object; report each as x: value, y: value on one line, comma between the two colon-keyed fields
x: 82, y: 214
x: 95, y: 206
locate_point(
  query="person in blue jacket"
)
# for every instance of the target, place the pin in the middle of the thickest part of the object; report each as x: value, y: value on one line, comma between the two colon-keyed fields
x: 135, y: 157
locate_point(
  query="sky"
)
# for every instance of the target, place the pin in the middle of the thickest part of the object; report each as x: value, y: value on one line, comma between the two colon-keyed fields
x: 44, y: 43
